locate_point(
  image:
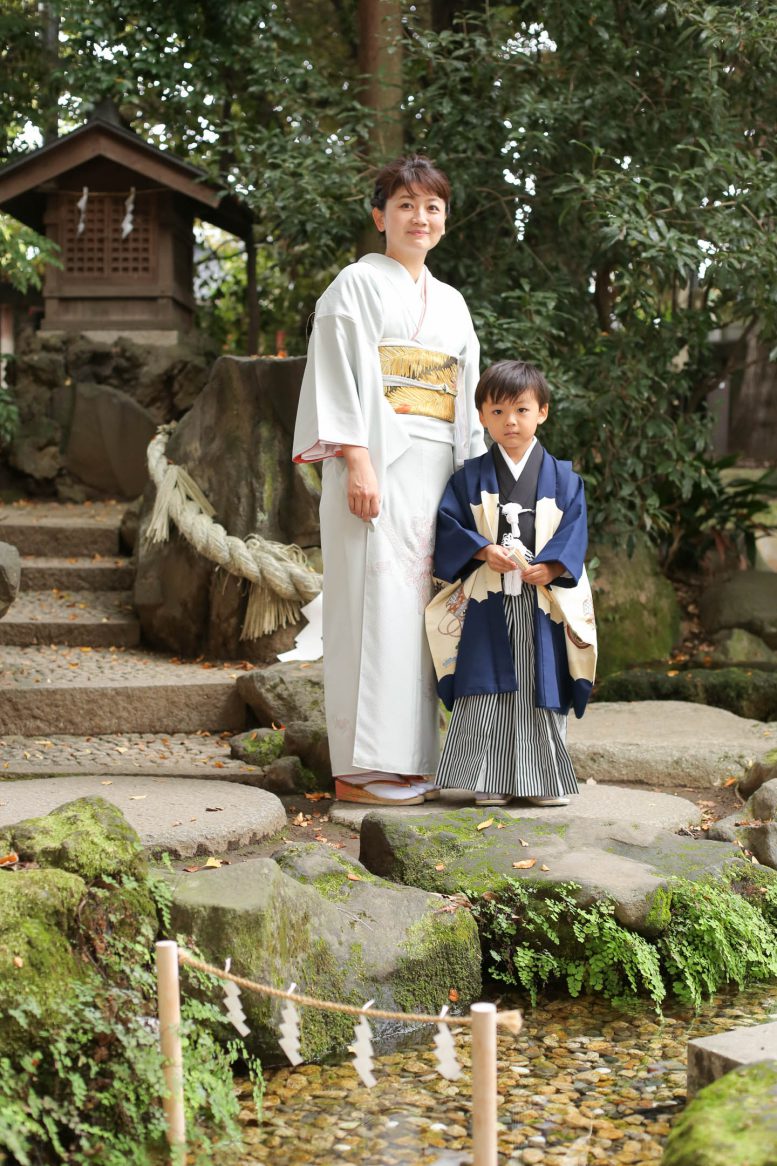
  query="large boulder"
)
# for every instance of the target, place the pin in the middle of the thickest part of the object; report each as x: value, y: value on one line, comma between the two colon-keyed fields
x: 453, y: 851
x: 748, y: 692
x: 78, y: 888
x: 109, y: 436
x: 735, y: 646
x: 731, y: 1122
x: 341, y: 934
x: 10, y: 576
x: 637, y: 612
x: 746, y: 600
x: 236, y: 444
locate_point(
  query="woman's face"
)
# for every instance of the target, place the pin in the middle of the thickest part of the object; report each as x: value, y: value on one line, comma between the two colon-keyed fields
x: 414, y: 223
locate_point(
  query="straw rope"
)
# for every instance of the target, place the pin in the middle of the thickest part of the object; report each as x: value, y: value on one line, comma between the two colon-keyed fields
x: 511, y: 1020
x: 280, y: 577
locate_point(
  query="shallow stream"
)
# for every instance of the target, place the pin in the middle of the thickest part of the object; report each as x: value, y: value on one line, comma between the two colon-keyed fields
x: 583, y: 1083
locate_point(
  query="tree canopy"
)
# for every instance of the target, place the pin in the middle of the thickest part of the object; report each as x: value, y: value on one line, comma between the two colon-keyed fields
x: 612, y: 162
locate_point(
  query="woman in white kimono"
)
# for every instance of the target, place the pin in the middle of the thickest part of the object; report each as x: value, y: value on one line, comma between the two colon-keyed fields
x: 387, y: 403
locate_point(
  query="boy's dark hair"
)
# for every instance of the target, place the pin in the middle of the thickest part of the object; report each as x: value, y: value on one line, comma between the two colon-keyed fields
x: 413, y: 172
x: 507, y: 379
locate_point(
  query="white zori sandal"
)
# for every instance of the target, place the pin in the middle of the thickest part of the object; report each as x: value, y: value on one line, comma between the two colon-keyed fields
x: 380, y: 789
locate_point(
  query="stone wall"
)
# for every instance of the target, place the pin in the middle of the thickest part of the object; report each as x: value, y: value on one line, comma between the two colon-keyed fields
x: 88, y: 410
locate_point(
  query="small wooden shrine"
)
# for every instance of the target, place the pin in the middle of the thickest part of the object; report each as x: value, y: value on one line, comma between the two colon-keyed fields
x: 121, y: 212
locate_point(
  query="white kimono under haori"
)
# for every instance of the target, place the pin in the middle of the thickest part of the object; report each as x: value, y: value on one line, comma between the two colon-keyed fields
x: 379, y: 340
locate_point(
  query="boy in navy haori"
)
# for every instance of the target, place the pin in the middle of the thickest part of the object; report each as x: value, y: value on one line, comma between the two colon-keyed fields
x: 513, y: 635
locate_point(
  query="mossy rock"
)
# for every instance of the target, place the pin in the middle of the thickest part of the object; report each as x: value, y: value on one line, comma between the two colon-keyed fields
x: 89, y: 837
x: 637, y: 611
x: 339, y: 933
x: 750, y: 693
x: 38, y: 911
x: 732, y: 1122
x: 257, y: 746
x: 475, y: 851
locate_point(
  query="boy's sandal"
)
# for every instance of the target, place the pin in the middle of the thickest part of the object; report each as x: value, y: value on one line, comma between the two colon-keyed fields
x: 381, y: 792
x: 487, y: 799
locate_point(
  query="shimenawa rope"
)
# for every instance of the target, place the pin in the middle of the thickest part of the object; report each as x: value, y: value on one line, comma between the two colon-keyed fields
x: 281, y: 579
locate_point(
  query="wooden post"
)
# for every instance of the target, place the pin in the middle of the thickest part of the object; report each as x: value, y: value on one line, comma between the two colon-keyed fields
x: 169, y: 997
x: 484, y: 1150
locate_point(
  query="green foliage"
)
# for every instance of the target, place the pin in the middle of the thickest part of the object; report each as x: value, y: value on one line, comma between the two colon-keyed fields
x: 539, y: 936
x: 89, y: 1088
x: 713, y: 934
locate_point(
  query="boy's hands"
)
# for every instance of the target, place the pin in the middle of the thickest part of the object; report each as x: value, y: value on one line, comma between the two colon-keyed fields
x: 497, y: 558
x: 540, y: 574
x: 500, y: 560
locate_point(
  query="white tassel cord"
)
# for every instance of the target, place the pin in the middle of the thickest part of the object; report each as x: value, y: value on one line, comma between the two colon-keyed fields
x: 281, y: 580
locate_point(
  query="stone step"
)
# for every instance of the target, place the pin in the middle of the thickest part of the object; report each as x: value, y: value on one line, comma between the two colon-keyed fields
x: 98, y: 573
x: 90, y: 691
x: 192, y: 755
x: 60, y: 529
x: 172, y: 815
x: 97, y: 619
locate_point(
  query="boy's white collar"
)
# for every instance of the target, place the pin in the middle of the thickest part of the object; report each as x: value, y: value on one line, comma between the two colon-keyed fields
x: 516, y: 468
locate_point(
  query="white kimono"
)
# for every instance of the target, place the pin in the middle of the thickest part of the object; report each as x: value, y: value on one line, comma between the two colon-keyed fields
x: 380, y: 690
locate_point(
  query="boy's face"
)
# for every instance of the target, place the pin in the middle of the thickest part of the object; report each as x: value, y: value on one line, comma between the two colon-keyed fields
x: 513, y: 422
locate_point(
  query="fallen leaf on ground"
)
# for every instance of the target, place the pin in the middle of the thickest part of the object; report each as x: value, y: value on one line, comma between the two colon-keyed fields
x: 354, y: 877
x: 317, y: 797
x: 501, y: 825
x: 213, y: 863
x: 213, y: 809
x: 178, y: 823
x: 484, y: 825
x: 106, y: 782
x: 18, y: 962
x: 440, y: 866
x: 523, y: 842
x: 729, y: 781
x: 453, y: 995
x: 9, y: 859
x: 525, y: 863
x: 543, y: 867
x: 121, y: 748
x: 191, y: 869
x: 278, y: 728
x: 137, y: 797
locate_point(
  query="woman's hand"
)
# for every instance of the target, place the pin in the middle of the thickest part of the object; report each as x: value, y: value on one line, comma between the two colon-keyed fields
x: 363, y: 491
x: 540, y: 574
x: 497, y: 558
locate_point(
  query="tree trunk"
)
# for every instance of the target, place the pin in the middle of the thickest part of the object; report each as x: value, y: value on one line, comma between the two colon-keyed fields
x: 50, y: 104
x: 754, y: 406
x: 380, y: 66
x: 252, y: 298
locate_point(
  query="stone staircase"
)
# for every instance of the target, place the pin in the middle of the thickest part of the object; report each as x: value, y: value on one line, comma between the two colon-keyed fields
x: 70, y: 661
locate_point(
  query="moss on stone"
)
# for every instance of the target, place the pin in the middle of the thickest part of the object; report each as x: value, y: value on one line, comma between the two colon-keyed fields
x: 89, y: 837
x: 660, y: 911
x: 747, y: 692
x: 438, y: 958
x: 733, y: 1120
x: 38, y: 910
x: 263, y: 750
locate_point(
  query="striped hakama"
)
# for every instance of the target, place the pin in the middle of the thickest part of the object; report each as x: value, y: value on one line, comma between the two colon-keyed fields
x: 501, y: 742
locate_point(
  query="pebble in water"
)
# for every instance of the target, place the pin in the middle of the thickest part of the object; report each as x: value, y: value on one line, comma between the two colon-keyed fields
x: 583, y: 1084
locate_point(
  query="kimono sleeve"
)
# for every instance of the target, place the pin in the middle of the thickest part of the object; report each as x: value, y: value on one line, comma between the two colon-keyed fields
x: 569, y: 542
x: 341, y: 352
x: 457, y: 540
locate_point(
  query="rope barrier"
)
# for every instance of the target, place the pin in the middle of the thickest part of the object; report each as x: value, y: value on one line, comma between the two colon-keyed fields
x: 482, y: 1023
x: 511, y: 1020
x: 280, y: 576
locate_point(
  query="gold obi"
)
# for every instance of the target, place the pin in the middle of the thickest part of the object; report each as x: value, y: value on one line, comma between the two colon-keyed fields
x: 419, y: 381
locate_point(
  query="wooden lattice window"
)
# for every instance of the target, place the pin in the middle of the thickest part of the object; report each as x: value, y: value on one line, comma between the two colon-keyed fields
x: 100, y: 251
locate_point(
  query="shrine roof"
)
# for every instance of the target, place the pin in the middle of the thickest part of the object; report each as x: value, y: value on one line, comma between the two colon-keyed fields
x: 26, y: 181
